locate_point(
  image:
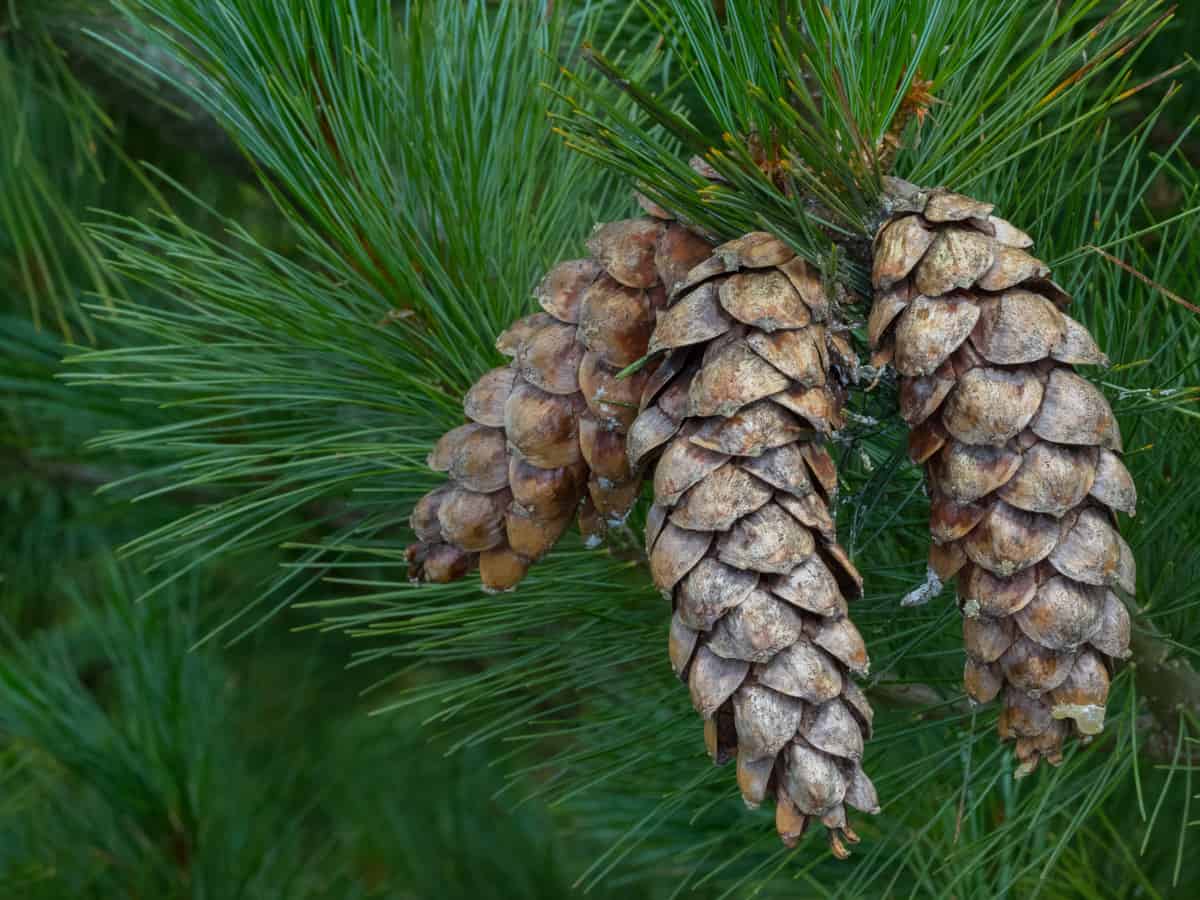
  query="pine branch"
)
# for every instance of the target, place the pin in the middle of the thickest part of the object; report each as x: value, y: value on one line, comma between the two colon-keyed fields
x: 290, y: 390
x: 926, y: 701
x: 331, y: 515
x: 59, y: 153
x: 1170, y: 685
x: 149, y: 92
x: 63, y: 471
x: 1166, y: 680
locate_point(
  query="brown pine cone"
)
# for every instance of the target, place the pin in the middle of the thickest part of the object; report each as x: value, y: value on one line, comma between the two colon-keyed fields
x: 740, y: 536
x: 1021, y: 456
x: 548, y: 430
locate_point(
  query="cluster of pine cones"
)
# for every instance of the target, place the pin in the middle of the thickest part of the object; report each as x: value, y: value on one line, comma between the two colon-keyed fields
x: 744, y: 372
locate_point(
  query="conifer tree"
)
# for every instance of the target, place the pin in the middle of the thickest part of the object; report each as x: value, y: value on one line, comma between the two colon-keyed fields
x: 257, y: 253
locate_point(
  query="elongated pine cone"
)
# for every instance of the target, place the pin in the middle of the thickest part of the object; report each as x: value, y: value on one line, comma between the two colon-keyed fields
x: 548, y: 431
x: 740, y: 535
x: 1021, y: 456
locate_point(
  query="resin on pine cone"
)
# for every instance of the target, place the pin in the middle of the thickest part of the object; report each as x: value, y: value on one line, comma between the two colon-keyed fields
x: 548, y: 431
x: 740, y: 536
x: 1021, y: 456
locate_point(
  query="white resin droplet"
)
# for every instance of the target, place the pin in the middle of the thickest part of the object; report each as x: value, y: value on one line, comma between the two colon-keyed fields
x: 1089, y: 718
x: 920, y: 595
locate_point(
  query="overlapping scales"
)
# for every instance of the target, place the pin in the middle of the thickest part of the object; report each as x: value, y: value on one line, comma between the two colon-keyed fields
x: 740, y: 536
x: 545, y: 437
x: 1022, y: 459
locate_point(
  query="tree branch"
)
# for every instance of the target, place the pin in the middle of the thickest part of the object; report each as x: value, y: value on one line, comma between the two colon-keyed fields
x: 149, y: 95
x: 1170, y: 686
x: 1167, y: 681
x: 926, y: 701
x: 80, y: 474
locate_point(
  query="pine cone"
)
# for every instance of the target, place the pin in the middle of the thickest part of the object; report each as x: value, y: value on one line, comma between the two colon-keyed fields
x: 549, y: 429
x: 1021, y: 459
x: 740, y: 535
